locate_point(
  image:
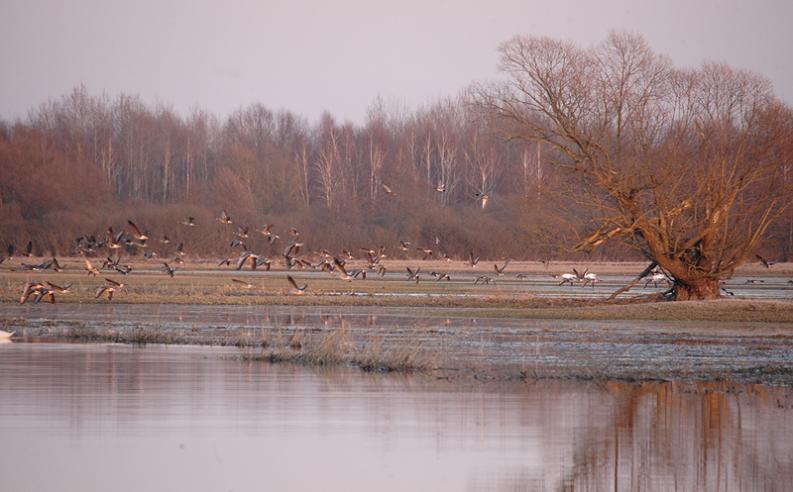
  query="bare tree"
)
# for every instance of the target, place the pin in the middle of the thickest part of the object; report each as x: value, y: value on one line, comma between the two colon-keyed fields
x: 683, y: 165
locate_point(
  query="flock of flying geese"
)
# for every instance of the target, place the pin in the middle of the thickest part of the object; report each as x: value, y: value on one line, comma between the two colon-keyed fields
x: 134, y: 237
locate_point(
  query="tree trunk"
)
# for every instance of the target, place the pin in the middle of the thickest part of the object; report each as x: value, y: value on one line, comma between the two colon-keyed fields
x: 696, y: 291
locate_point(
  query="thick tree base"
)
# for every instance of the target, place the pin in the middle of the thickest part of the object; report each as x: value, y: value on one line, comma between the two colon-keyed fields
x: 700, y: 291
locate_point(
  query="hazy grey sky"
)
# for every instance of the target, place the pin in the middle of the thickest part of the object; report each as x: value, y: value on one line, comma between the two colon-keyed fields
x: 338, y: 55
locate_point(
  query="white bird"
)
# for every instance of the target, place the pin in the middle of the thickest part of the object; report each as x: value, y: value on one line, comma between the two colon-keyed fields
x: 567, y: 278
x: 590, y: 278
x: 655, y: 279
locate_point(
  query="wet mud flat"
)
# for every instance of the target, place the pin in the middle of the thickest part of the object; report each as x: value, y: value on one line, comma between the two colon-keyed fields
x: 462, y: 345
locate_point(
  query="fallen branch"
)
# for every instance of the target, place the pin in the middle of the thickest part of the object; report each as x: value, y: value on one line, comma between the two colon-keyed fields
x: 635, y: 281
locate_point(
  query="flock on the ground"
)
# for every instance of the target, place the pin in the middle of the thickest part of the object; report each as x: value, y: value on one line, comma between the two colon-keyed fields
x: 112, y: 243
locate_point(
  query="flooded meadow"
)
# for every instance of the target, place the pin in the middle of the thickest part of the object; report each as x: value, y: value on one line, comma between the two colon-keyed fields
x: 94, y: 416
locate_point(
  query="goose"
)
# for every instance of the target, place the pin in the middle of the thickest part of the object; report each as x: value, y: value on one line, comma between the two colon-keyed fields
x: 427, y: 252
x: 472, y: 260
x: 388, y: 190
x: 412, y: 274
x: 441, y: 187
x: 51, y: 290
x: 168, y: 270
x: 245, y: 284
x: 30, y: 289
x: 404, y: 245
x: 189, y: 222
x: 343, y: 275
x: 482, y: 198
x: 110, y: 288
x: 298, y: 290
x: 29, y: 249
x: 440, y: 275
x: 114, y: 240
x: 137, y: 234
x: 165, y: 239
x: 248, y: 256
x: 766, y: 263
x: 293, y: 231
x: 5, y: 335
x: 381, y: 270
x: 500, y: 271
x: 242, y: 232
x: 484, y: 279
x: 224, y: 218
x: 265, y: 231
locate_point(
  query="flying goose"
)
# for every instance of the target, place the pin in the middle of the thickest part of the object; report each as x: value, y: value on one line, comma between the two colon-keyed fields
x: 404, y: 245
x: 500, y: 271
x: 388, y: 190
x: 484, y: 279
x: 441, y: 187
x: 482, y: 198
x: 245, y: 284
x: 168, y: 270
x: 51, y: 290
x: 30, y: 289
x: 5, y: 335
x: 189, y: 222
x: 140, y: 236
x: 224, y: 218
x: 766, y: 263
x: 472, y: 260
x: 297, y: 289
x: 110, y: 288
x: 91, y: 269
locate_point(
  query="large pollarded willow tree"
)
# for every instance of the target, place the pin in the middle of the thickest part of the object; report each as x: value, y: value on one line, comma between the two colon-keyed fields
x: 688, y: 166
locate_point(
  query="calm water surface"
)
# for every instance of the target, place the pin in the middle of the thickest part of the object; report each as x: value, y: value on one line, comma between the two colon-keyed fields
x: 77, y: 417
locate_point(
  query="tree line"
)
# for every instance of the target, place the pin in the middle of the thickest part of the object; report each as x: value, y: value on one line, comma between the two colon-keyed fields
x: 81, y: 162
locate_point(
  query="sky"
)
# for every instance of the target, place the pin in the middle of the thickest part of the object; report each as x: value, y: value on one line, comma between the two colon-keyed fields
x: 311, y: 56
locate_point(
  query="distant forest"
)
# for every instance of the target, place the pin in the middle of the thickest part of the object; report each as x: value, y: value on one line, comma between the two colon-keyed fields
x: 82, y: 163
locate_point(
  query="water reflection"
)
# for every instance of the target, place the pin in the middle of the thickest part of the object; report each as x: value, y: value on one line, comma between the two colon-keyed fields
x: 100, y: 417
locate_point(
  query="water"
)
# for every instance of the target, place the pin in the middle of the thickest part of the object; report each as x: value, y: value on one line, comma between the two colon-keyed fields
x: 77, y: 417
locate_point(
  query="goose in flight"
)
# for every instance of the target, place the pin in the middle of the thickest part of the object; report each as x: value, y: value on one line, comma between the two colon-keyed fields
x: 189, y: 222
x: 224, y: 218
x: 245, y: 284
x: 404, y: 245
x: 482, y: 198
x: 298, y: 290
x: 5, y: 335
x: 766, y: 263
x: 30, y: 289
x: 441, y: 187
x: 483, y: 279
x: 110, y: 288
x: 168, y: 270
x: 388, y: 190
x: 413, y: 274
x: 472, y: 260
x: 51, y: 290
x: 500, y: 271
x: 137, y: 234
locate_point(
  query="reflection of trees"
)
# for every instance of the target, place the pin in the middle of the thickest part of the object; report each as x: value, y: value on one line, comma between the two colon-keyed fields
x: 686, y: 436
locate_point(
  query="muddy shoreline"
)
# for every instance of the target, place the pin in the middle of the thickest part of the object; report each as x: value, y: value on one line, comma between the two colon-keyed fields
x: 464, y: 346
